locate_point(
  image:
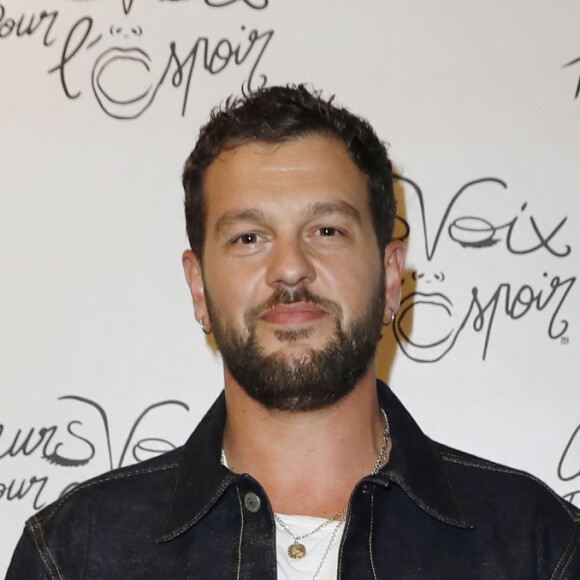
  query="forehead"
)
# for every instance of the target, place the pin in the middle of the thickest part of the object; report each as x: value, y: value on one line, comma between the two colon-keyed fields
x: 307, y: 169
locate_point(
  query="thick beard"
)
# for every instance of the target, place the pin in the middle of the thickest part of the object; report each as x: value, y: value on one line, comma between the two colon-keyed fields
x: 311, y: 380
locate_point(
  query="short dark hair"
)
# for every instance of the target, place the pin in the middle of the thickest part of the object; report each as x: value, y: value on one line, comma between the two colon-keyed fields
x: 278, y: 114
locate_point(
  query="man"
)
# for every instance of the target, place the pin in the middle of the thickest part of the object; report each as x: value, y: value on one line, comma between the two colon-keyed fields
x: 305, y: 467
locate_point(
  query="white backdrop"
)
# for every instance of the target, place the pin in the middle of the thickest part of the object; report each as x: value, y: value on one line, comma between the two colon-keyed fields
x: 101, y: 362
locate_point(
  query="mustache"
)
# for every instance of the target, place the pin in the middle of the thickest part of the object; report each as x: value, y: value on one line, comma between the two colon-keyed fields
x: 286, y: 296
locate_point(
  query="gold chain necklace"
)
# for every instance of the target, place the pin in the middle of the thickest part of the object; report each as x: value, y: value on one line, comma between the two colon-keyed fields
x: 297, y: 549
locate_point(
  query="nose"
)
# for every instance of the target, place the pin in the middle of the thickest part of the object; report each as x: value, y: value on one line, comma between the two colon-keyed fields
x: 289, y: 263
x: 125, y: 31
x: 428, y: 277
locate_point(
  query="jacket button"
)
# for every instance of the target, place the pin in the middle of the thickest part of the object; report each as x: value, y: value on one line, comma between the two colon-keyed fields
x: 252, y: 502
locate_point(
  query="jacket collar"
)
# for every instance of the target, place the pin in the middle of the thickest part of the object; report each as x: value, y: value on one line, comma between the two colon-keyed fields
x: 201, y: 478
x: 414, y: 465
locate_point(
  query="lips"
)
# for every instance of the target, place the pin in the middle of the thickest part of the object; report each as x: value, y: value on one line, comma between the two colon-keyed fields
x: 121, y: 82
x: 294, y: 314
x: 430, y: 316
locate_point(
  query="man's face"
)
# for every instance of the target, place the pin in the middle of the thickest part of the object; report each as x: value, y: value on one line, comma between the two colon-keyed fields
x: 292, y: 282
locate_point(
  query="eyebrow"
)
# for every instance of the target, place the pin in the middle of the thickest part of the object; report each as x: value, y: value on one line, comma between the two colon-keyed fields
x: 340, y: 207
x: 231, y: 217
x: 317, y: 210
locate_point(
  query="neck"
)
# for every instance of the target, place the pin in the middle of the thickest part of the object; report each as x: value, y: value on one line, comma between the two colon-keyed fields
x: 307, y: 462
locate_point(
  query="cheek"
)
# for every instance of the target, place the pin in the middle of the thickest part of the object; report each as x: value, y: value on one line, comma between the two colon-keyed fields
x: 233, y: 291
x: 350, y: 282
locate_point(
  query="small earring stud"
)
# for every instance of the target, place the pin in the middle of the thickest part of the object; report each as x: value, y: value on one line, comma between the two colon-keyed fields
x: 204, y: 328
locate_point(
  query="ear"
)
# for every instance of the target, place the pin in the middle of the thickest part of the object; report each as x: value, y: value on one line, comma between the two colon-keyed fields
x: 194, y: 277
x: 394, y: 258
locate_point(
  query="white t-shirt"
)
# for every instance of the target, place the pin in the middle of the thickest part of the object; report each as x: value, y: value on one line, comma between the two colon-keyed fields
x: 316, y: 546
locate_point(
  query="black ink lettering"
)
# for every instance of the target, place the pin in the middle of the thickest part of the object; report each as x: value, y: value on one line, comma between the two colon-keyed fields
x: 127, y: 4
x: 32, y: 27
x: 574, y: 470
x: 524, y: 297
x: 572, y: 62
x: 51, y: 432
x: 255, y: 4
x: 69, y: 54
x: 139, y: 419
x: 105, y: 422
x: 42, y: 481
x: 223, y: 59
x: 150, y: 447
x: 57, y: 459
x: 556, y: 283
x: 213, y: 61
x: 104, y: 419
x: 543, y: 240
x: 34, y: 22
x: 52, y: 16
x: 476, y: 232
x: 404, y: 235
x: 177, y: 77
x: 17, y: 493
x: 520, y: 305
x: 254, y: 37
x: 7, y: 27
x: 430, y: 250
x: 26, y: 447
x: 13, y: 491
x: 68, y: 488
x: 479, y: 320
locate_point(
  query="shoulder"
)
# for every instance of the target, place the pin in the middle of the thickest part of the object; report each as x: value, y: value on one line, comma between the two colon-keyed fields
x: 94, y: 518
x: 482, y: 472
x: 489, y: 479
x: 516, y: 503
x: 118, y: 494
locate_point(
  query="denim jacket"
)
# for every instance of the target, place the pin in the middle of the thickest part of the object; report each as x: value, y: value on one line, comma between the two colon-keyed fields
x: 431, y: 512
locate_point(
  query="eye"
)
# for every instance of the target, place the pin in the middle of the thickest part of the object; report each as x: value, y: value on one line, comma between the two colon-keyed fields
x: 247, y: 238
x: 328, y: 231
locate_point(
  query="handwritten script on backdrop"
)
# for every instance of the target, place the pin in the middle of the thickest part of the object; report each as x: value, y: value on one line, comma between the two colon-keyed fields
x: 123, y: 74
x: 80, y: 441
x: 575, y: 63
x: 458, y: 309
x: 569, y: 467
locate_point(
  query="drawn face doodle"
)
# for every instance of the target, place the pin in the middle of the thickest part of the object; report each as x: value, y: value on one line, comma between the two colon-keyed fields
x: 125, y: 76
x: 122, y: 76
x: 466, y: 272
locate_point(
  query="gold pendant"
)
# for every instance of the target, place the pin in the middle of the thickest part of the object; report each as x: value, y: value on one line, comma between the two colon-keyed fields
x: 296, y: 550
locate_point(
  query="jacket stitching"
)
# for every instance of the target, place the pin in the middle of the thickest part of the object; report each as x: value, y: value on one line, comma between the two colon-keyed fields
x: 34, y: 526
x: 428, y: 508
x: 104, y: 479
x: 502, y: 469
x: 567, y: 552
x: 572, y: 545
x: 241, y: 536
x: 344, y: 534
x: 47, y: 549
x: 371, y: 535
x: 224, y: 485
